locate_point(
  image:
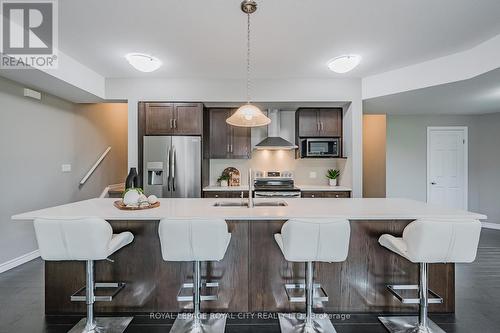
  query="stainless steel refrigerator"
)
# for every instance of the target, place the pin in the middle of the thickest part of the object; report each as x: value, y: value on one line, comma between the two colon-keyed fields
x: 172, y: 166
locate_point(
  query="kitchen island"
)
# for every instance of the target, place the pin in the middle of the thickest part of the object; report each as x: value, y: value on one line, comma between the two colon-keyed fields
x: 253, y: 271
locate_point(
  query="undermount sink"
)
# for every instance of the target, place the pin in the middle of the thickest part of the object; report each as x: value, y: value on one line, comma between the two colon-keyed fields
x: 270, y: 204
x: 230, y: 204
x: 280, y: 203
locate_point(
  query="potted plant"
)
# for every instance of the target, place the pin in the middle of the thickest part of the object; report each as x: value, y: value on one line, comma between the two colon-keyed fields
x: 332, y: 175
x: 223, y: 180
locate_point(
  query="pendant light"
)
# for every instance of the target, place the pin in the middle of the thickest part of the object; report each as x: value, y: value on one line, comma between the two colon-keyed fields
x: 248, y: 115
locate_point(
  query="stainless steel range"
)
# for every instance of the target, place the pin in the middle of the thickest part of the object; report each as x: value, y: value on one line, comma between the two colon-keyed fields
x: 275, y: 184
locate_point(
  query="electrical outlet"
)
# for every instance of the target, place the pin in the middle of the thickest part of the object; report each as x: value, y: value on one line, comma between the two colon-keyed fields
x: 312, y: 174
x: 66, y: 168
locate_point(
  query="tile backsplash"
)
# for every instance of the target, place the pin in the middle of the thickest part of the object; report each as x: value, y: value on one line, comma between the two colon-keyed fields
x: 281, y: 160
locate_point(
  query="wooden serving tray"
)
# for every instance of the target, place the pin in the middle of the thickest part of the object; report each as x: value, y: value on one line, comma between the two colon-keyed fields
x: 119, y: 204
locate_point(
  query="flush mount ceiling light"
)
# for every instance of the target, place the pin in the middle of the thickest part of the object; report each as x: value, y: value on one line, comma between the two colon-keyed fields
x: 143, y: 62
x: 248, y: 115
x: 344, y: 64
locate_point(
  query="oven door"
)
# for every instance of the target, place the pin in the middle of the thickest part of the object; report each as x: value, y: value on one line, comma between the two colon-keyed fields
x: 317, y: 147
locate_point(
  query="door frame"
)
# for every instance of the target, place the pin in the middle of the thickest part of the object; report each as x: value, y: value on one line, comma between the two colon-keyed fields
x: 465, y: 130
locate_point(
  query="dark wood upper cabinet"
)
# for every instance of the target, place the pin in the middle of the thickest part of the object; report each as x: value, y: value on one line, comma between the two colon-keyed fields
x: 173, y: 118
x: 330, y: 122
x: 226, y: 141
x: 188, y: 118
x: 324, y: 122
x: 240, y: 142
x: 308, y: 122
x: 159, y: 118
x: 218, y: 135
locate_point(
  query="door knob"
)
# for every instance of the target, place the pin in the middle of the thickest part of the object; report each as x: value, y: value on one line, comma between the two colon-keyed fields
x: 433, y: 183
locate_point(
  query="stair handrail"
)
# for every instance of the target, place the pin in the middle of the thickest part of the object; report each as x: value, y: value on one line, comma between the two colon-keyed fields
x: 96, y: 164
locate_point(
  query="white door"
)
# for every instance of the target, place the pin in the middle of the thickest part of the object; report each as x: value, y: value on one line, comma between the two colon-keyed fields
x: 447, y: 166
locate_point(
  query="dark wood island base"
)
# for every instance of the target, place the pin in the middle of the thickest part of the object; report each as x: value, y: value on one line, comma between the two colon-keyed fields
x: 251, y: 275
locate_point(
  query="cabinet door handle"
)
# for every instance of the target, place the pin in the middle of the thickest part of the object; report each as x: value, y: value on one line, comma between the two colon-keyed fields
x: 231, y: 148
x: 228, y: 148
x: 171, y: 123
x: 317, y: 126
x: 321, y: 126
x: 175, y: 123
x: 312, y: 195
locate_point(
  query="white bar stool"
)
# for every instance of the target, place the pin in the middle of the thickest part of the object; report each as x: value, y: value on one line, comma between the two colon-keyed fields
x: 85, y: 239
x: 429, y: 241
x: 195, y: 240
x: 311, y: 240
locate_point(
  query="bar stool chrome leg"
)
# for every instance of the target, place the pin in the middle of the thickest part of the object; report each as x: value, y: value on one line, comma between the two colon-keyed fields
x: 196, y: 296
x: 100, y: 324
x: 90, y: 324
x: 414, y: 324
x: 309, y: 296
x: 198, y: 322
x: 312, y: 323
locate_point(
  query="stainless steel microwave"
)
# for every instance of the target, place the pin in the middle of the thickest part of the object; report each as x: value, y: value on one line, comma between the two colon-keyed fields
x: 320, y: 147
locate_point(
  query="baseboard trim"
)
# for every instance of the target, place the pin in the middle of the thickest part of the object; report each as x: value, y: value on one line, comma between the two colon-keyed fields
x: 489, y: 225
x: 19, y: 261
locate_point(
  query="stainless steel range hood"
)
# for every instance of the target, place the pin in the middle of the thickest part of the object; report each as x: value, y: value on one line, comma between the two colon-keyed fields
x: 274, y: 140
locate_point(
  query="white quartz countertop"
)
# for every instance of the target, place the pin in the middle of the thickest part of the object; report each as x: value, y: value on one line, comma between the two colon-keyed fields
x: 353, y: 209
x: 301, y: 187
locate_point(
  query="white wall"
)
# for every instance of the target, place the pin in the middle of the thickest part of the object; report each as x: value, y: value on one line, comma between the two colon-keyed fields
x: 489, y: 166
x: 293, y: 90
x: 36, y: 137
x: 407, y: 153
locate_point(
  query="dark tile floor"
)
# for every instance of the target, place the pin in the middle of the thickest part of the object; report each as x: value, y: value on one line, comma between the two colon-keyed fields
x: 477, y: 298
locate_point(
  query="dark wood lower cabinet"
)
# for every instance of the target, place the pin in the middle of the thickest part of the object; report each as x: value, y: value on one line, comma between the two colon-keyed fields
x: 251, y: 275
x: 326, y: 194
x: 225, y: 194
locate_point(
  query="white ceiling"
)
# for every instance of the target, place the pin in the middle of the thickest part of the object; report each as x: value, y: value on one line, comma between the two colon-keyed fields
x: 292, y: 38
x: 478, y: 95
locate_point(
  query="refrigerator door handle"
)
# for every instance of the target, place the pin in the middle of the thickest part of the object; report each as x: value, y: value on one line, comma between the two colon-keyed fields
x: 168, y: 170
x: 173, y: 169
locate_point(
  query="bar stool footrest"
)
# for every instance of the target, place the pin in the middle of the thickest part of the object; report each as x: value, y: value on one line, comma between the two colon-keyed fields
x: 116, y: 286
x: 295, y: 323
x: 104, y: 324
x: 210, y: 323
x: 395, y: 288
x: 398, y: 324
x: 320, y: 294
x: 188, y: 297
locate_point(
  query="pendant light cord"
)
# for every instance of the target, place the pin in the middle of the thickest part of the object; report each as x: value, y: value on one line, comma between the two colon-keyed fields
x: 248, y: 58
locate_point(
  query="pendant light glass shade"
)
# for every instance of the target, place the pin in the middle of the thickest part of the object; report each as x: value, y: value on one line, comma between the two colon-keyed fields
x: 248, y: 115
